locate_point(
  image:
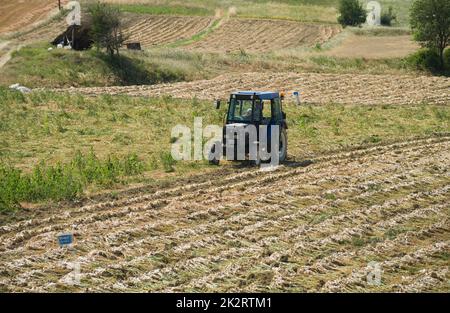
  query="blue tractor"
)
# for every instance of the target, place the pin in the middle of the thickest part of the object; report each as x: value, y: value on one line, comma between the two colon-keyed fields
x: 253, y: 108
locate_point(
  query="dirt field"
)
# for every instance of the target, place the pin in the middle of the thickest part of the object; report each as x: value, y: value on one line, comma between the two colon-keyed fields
x: 314, y: 88
x: 374, y: 47
x: 19, y: 14
x: 155, y: 30
x: 264, y: 35
x: 299, y: 228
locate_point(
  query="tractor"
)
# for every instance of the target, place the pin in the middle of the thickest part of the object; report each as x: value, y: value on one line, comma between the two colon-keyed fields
x: 246, y: 108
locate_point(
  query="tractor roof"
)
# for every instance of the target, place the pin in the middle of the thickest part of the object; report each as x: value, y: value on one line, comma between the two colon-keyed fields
x: 264, y: 95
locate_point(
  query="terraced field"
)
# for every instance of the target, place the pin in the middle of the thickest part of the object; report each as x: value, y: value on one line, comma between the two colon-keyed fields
x: 16, y: 15
x: 298, y: 228
x: 264, y: 35
x: 314, y: 88
x: 156, y: 30
x: 47, y: 32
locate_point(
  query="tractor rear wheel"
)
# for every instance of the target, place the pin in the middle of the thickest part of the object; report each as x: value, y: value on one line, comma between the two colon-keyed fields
x: 283, y: 146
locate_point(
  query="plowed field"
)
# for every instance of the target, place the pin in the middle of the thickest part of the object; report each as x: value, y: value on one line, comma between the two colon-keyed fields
x: 17, y: 14
x: 155, y: 30
x: 313, y: 228
x: 264, y: 35
x: 314, y: 88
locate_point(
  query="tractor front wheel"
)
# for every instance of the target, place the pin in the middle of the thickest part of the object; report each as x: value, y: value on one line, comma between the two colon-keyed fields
x: 212, y: 158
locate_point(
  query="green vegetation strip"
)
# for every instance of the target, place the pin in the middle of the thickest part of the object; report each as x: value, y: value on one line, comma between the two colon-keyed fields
x: 63, y: 181
x: 34, y: 66
x: 323, y: 11
x: 199, y: 36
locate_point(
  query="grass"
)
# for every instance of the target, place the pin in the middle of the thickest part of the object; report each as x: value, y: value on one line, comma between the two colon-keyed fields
x: 35, y: 66
x: 165, y: 10
x: 380, y: 31
x: 315, y: 129
x: 324, y: 11
x: 73, y: 144
x: 298, y: 12
x: 63, y: 181
x: 360, y: 65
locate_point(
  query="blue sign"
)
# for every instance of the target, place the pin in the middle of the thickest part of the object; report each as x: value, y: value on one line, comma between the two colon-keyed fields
x: 65, y: 239
x: 295, y: 93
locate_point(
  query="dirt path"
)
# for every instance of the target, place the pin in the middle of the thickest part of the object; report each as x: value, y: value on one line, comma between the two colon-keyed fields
x: 314, y: 88
x: 312, y: 228
x: 8, y: 50
x: 4, y: 50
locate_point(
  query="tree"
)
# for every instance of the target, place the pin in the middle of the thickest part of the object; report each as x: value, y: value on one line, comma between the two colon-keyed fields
x: 106, y: 27
x: 352, y: 13
x: 430, y: 22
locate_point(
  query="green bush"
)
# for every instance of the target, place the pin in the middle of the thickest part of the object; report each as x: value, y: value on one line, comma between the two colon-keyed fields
x: 388, y: 17
x: 425, y: 60
x: 352, y: 13
x: 430, y: 22
x: 63, y: 181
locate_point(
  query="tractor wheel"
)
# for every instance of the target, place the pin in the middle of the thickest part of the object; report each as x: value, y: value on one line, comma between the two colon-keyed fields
x: 283, y: 146
x: 256, y: 162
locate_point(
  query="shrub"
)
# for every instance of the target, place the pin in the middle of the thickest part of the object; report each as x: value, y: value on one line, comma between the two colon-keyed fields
x: 352, y: 13
x: 425, y: 60
x: 63, y: 181
x: 388, y: 17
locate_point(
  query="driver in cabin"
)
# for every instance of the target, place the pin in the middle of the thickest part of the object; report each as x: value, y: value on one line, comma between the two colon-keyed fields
x: 258, y: 110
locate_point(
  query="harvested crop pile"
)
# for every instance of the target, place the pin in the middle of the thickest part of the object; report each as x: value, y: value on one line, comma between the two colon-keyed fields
x: 314, y: 228
x: 155, y: 30
x: 314, y: 88
x: 264, y: 35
